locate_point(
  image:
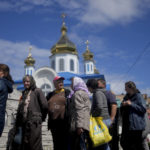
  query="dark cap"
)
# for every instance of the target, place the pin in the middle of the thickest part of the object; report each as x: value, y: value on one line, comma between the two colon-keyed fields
x: 58, y: 78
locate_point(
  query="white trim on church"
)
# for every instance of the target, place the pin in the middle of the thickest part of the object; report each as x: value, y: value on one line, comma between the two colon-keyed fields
x: 44, y: 79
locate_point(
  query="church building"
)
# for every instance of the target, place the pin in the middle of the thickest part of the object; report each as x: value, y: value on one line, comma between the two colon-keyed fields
x: 64, y: 61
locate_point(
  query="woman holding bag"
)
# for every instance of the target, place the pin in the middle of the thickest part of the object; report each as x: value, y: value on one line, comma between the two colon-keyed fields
x: 99, y: 107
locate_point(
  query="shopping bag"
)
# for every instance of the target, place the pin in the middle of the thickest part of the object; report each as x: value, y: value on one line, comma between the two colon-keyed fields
x: 99, y: 132
x: 18, y: 136
x: 83, y: 142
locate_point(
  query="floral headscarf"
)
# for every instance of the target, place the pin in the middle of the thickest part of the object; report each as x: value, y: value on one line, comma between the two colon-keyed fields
x: 79, y: 84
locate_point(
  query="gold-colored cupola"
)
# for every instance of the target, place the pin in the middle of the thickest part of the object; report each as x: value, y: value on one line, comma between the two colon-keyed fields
x: 87, y: 55
x: 64, y: 45
x: 29, y: 61
x: 95, y: 70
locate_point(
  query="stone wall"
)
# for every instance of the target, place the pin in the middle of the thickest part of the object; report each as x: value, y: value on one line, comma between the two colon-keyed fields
x: 12, y: 104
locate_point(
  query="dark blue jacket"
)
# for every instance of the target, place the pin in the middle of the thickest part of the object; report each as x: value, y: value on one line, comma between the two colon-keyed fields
x: 136, y: 112
x: 5, y: 88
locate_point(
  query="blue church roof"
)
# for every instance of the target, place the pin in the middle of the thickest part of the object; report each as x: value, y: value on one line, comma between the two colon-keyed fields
x: 68, y: 76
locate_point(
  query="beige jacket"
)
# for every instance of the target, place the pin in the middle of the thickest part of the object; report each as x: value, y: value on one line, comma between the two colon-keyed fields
x: 82, y: 106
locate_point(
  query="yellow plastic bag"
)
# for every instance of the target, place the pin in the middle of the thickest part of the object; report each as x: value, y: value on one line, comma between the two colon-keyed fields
x: 99, y: 133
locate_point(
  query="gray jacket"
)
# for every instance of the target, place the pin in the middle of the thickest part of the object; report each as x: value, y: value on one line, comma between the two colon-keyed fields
x: 99, y: 105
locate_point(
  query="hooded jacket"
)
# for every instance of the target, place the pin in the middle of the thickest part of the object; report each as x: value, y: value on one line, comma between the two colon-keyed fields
x: 5, y: 88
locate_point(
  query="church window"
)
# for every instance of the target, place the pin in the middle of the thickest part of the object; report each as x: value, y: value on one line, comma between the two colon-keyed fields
x: 61, y: 64
x: 46, y: 89
x: 91, y: 67
x: 88, y: 68
x: 53, y: 64
x: 27, y: 72
x: 71, y: 65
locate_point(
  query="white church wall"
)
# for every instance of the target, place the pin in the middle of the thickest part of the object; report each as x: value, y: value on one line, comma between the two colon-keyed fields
x: 44, y: 79
x: 66, y: 58
x: 89, y: 67
x: 29, y: 70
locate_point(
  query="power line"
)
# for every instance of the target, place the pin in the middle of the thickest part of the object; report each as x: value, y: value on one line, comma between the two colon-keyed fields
x: 139, y: 57
x: 136, y: 60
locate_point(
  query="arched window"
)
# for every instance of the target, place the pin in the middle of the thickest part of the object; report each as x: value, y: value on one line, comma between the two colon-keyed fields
x: 61, y: 64
x: 71, y: 65
x: 53, y: 64
x: 91, y: 67
x: 46, y: 89
x: 88, y: 67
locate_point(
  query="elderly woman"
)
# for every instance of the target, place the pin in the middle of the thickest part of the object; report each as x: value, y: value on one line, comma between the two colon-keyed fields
x: 5, y: 88
x: 32, y: 111
x: 133, y: 111
x: 80, y: 113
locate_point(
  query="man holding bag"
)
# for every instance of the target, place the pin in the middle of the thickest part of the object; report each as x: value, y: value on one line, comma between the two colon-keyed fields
x: 99, y: 107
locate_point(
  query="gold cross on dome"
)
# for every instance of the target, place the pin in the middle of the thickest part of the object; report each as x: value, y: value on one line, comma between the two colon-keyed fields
x: 87, y: 43
x: 63, y: 15
x: 30, y: 48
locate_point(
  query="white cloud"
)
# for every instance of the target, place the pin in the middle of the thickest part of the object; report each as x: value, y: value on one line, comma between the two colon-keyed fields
x: 14, y: 54
x: 23, y: 5
x: 90, y: 11
x: 146, y: 91
x: 39, y: 2
x: 116, y: 81
x: 110, y: 11
x: 105, y: 12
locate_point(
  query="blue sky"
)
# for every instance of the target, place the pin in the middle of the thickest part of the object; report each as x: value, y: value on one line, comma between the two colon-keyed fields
x: 118, y: 32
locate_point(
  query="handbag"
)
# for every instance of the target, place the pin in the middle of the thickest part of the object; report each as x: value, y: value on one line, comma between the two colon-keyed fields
x: 83, y: 142
x: 99, y: 132
x: 18, y: 136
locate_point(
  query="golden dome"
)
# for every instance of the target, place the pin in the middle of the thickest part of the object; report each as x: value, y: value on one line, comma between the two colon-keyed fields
x: 87, y: 55
x: 29, y: 61
x: 64, y: 45
x: 95, y: 70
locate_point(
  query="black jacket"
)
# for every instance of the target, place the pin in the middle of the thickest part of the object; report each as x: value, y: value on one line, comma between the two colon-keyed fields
x: 5, y: 88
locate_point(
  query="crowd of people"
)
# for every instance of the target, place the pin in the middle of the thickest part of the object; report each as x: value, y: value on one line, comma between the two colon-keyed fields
x: 69, y: 112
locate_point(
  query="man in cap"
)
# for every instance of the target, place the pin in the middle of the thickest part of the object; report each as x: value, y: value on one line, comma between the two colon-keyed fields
x: 57, y: 120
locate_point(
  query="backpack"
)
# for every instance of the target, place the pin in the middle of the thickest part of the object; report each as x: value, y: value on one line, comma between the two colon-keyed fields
x: 57, y: 106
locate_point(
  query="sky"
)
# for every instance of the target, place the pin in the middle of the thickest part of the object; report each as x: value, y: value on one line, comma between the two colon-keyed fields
x: 118, y: 32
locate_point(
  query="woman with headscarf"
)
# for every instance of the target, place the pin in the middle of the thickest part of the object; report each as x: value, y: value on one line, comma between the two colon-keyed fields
x: 6, y: 83
x: 32, y: 111
x: 80, y: 115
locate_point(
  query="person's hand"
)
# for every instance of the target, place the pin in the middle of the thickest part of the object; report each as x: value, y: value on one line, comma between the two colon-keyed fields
x: 79, y: 131
x: 126, y: 103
